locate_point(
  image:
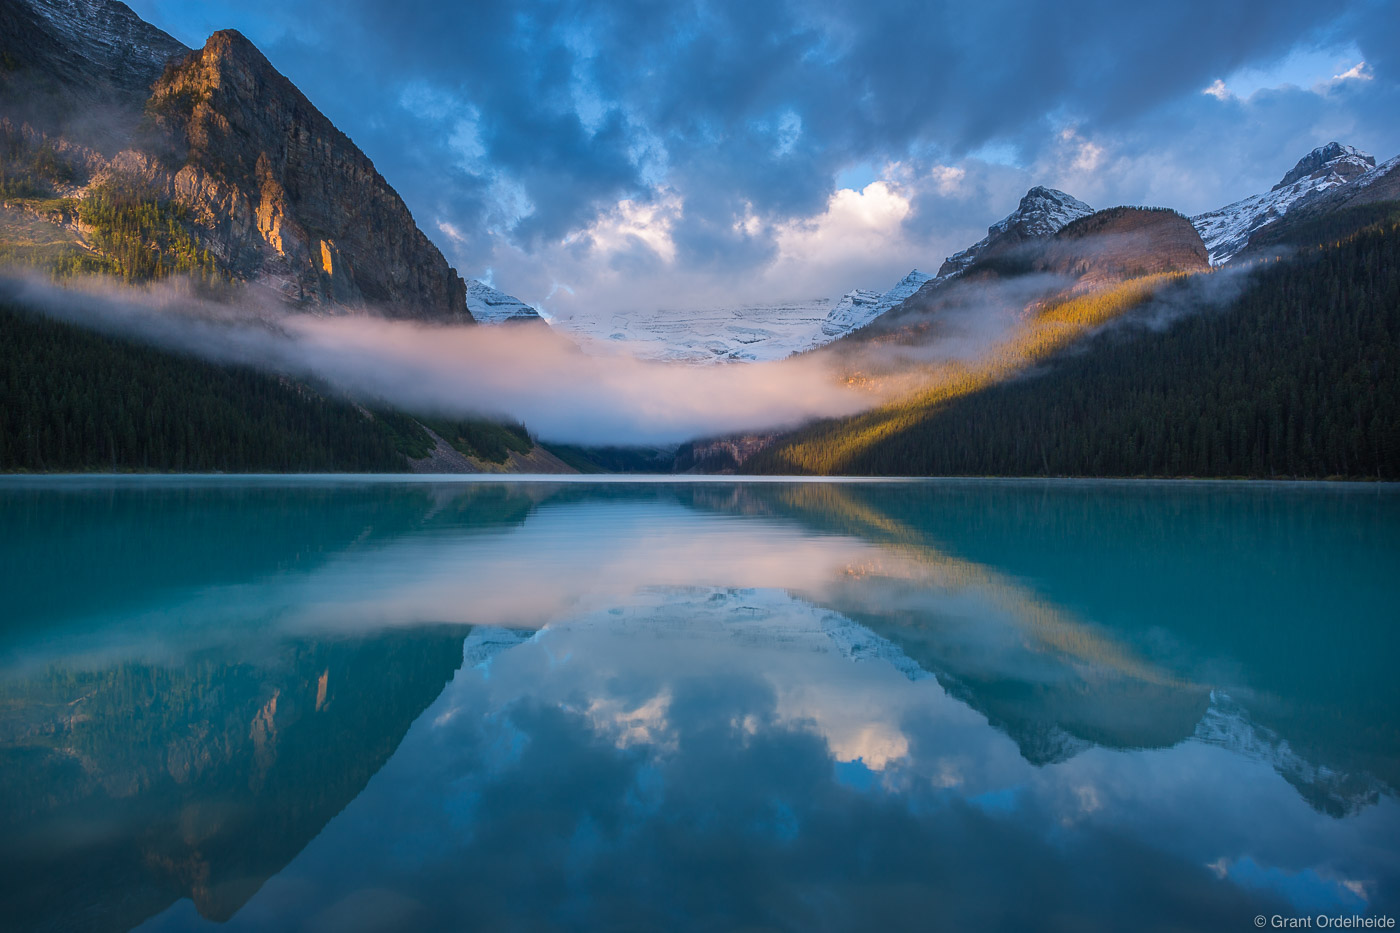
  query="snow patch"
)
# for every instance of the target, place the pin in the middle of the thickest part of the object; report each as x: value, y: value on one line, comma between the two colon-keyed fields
x: 489, y: 306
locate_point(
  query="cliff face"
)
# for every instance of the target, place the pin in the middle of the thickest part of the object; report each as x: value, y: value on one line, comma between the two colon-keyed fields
x: 282, y: 196
x: 95, y: 101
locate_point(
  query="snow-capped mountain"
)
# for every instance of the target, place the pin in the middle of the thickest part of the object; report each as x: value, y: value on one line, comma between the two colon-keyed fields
x: 1340, y: 793
x: 1042, y: 212
x: 859, y: 307
x: 1227, y: 231
x: 744, y: 333
x: 490, y: 306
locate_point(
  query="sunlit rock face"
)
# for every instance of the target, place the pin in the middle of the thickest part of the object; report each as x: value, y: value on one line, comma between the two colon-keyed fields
x: 287, y: 198
x: 262, y: 180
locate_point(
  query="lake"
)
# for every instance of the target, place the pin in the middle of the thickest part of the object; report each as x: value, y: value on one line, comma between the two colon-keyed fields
x: 378, y: 704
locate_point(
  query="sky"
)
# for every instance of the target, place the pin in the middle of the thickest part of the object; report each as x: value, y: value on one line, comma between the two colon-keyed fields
x: 594, y: 156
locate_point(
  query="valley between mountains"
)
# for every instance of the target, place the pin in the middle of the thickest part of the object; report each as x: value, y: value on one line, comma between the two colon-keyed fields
x: 1261, y: 339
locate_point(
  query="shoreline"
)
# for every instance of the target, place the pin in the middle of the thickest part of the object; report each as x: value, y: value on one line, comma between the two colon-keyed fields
x: 14, y: 480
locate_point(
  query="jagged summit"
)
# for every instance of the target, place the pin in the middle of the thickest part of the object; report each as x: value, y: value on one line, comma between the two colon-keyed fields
x: 1346, y: 162
x: 1042, y: 212
x: 1227, y: 231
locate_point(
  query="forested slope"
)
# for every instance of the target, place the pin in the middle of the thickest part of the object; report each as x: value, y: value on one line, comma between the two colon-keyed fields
x: 75, y: 400
x: 1297, y: 377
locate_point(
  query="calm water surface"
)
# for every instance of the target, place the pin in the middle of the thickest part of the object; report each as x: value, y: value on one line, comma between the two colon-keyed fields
x: 332, y: 705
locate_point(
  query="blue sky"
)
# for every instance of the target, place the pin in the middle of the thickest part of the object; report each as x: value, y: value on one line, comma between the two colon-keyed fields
x: 590, y: 155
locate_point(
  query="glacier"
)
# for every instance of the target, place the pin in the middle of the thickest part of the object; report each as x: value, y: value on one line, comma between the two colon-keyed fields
x: 747, y: 333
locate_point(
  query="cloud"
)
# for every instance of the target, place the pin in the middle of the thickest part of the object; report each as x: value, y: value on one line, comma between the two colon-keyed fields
x: 544, y: 132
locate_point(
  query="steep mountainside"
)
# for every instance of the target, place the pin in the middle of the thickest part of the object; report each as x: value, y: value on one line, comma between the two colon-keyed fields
x: 231, y: 173
x: 1330, y: 213
x: 281, y: 195
x: 1227, y: 231
x: 81, y: 67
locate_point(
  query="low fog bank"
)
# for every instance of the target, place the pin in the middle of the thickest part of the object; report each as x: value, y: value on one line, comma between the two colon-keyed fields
x: 533, y: 374
x: 526, y: 373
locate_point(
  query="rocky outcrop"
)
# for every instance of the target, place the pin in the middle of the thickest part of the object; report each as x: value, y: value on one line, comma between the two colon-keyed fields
x: 1346, y: 162
x: 90, y: 95
x: 282, y: 197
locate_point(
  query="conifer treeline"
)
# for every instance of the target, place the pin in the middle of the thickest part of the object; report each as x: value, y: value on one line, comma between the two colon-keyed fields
x: 1298, y: 377
x: 76, y: 400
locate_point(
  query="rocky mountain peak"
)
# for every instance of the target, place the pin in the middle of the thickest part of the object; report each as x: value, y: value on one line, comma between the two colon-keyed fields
x: 284, y: 197
x: 1345, y: 161
x: 1042, y: 212
x: 79, y: 68
x: 1227, y: 231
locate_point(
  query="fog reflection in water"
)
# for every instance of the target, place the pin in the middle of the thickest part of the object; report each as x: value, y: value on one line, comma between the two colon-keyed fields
x: 805, y: 706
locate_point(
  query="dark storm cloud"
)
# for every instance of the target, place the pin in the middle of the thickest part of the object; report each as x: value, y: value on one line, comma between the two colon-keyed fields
x: 569, y: 106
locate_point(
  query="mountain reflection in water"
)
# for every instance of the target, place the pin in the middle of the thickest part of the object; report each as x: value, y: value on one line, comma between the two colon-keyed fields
x: 532, y: 705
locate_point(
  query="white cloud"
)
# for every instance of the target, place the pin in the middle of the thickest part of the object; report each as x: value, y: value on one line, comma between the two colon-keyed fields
x: 1218, y: 90
x: 632, y: 222
x: 1357, y: 72
x: 855, y: 224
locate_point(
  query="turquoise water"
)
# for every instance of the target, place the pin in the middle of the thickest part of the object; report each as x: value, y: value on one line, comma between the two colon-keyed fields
x: 331, y: 704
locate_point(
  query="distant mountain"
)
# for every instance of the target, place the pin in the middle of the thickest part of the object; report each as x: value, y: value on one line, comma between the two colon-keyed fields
x: 858, y: 308
x: 745, y: 333
x: 1042, y: 212
x: 1123, y: 242
x: 1227, y: 231
x: 489, y: 306
x: 207, y: 162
